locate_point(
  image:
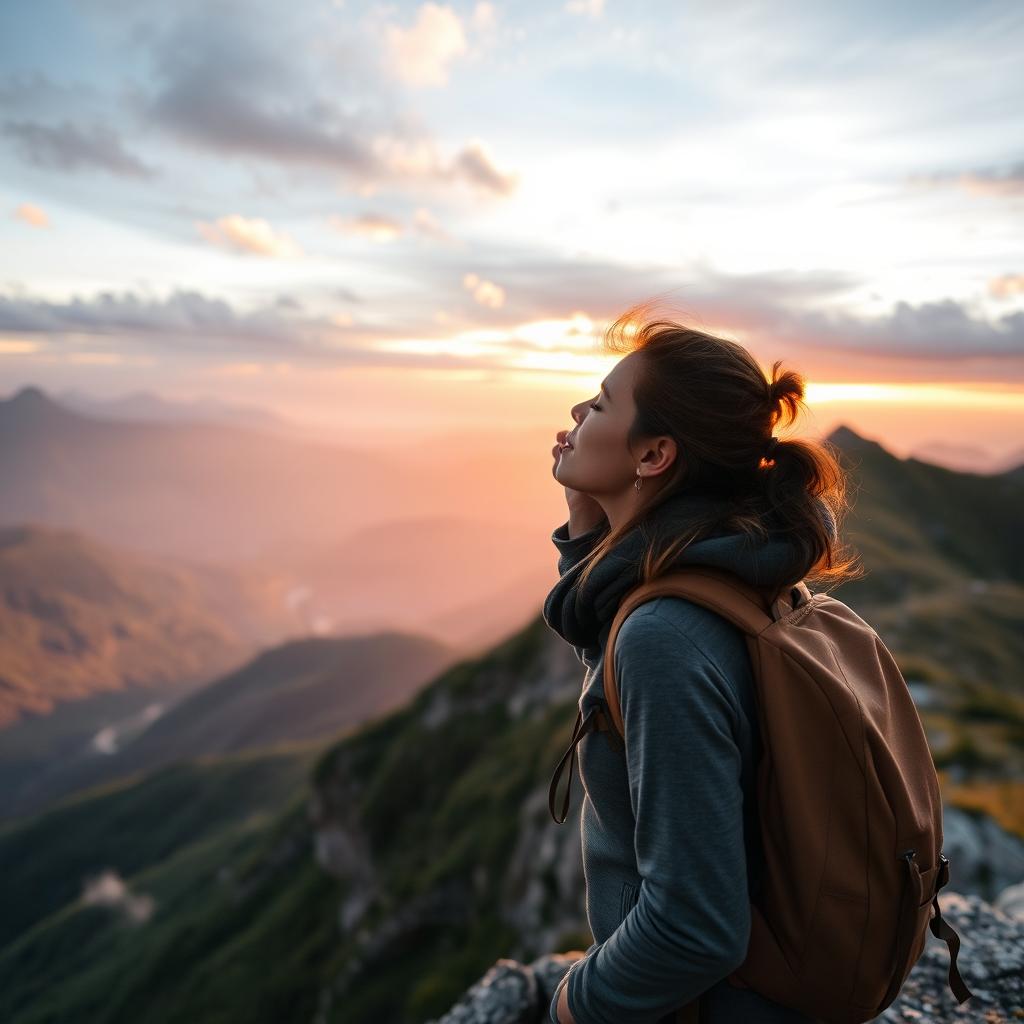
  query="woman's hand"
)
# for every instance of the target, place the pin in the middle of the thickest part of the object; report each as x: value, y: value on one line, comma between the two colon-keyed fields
x: 562, y: 1008
x: 584, y: 511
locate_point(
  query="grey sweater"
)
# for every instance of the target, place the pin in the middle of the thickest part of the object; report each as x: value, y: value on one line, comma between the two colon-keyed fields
x: 671, y: 847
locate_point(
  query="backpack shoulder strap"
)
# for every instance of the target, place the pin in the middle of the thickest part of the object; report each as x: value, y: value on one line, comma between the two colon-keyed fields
x: 750, y: 608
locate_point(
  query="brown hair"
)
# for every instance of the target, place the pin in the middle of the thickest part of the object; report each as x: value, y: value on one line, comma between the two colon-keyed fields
x: 712, y: 397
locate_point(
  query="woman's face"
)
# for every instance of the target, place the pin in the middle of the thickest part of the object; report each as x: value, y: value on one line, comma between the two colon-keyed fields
x: 598, y: 461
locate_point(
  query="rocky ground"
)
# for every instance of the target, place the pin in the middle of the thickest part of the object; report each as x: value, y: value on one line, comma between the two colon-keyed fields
x: 991, y: 962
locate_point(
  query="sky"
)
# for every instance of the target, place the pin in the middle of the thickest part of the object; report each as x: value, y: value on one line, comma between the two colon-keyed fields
x: 383, y: 218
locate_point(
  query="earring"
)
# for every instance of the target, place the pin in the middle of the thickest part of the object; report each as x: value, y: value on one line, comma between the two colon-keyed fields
x: 639, y: 482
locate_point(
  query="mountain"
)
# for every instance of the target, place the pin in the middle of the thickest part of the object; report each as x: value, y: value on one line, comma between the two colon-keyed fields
x: 228, y: 493
x: 208, y: 883
x: 147, y: 405
x: 418, y: 849
x: 467, y: 582
x: 965, y: 458
x: 946, y: 560
x: 213, y: 492
x: 416, y: 852
x: 304, y: 689
x: 79, y: 617
x: 316, y: 514
x: 188, y: 804
x: 991, y: 933
x: 929, y: 519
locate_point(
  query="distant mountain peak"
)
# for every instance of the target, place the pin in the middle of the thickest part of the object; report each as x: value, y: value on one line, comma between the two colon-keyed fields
x: 847, y: 437
x: 848, y: 440
x: 31, y: 395
x: 31, y: 406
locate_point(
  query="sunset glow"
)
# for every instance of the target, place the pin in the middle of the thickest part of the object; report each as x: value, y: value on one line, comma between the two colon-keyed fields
x: 427, y: 201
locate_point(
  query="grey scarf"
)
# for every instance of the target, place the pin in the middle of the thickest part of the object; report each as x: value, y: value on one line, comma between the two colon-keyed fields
x: 580, y: 614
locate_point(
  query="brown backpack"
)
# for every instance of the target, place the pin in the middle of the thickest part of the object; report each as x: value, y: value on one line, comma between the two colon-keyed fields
x: 849, y: 802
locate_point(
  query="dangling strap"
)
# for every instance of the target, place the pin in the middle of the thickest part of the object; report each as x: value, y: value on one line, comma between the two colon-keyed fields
x: 941, y: 930
x: 580, y: 729
x: 910, y: 898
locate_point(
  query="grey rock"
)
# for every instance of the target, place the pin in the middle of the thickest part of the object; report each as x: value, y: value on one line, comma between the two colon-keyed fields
x: 1011, y: 901
x: 983, y: 857
x: 509, y: 993
x: 991, y: 962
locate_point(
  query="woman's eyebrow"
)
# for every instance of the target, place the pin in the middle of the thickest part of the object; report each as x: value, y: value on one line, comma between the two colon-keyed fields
x: 608, y: 394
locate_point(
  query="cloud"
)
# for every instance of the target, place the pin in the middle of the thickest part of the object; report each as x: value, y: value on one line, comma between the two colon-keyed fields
x: 420, y: 162
x: 33, y: 215
x: 931, y: 331
x: 32, y: 92
x: 377, y: 227
x: 487, y: 293
x: 590, y: 8
x: 188, y: 323
x: 777, y: 307
x: 68, y: 148
x: 381, y: 227
x: 421, y: 55
x: 249, y: 235
x: 187, y: 320
x: 17, y: 347
x: 476, y: 166
x: 769, y: 310
x: 223, y: 87
x: 986, y: 181
x: 484, y: 17
x: 539, y: 285
x: 1006, y: 286
x: 427, y: 224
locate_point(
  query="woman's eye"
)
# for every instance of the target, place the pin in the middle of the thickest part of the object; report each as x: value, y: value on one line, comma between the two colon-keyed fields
x: 594, y: 405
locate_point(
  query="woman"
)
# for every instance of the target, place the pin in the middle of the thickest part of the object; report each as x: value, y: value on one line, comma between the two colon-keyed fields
x: 673, y: 463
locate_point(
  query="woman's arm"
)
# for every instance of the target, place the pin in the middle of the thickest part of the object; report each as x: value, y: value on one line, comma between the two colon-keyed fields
x: 572, y: 549
x: 564, y: 1013
x: 690, y: 926
x: 574, y: 545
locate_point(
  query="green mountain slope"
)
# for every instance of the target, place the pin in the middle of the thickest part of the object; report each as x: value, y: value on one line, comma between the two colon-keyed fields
x: 418, y: 849
x: 80, y: 617
x: 243, y: 911
x: 302, y: 689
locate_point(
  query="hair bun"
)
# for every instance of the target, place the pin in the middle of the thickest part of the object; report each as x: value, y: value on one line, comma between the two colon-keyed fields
x: 785, y: 392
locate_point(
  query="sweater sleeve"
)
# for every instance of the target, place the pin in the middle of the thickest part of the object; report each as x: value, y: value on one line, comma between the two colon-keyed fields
x: 572, y: 550
x: 553, y: 1005
x: 690, y: 926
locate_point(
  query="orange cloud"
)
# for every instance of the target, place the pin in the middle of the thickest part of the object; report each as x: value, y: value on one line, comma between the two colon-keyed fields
x: 420, y: 55
x: 33, y: 215
x: 1006, y: 286
x: 375, y: 226
x: 427, y: 224
x: 420, y: 161
x: 487, y: 293
x: 252, y: 235
x: 593, y: 8
x: 484, y: 16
